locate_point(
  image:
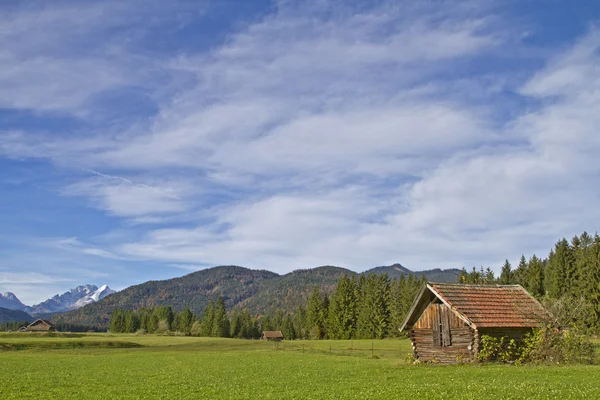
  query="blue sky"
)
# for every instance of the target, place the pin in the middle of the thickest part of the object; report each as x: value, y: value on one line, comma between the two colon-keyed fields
x: 143, y: 140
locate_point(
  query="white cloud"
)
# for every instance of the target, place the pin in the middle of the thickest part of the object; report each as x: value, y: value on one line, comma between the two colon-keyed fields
x: 353, y: 139
x: 122, y: 197
x: 58, y: 57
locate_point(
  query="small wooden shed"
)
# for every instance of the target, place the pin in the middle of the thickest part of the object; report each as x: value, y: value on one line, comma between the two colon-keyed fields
x: 272, y: 335
x: 41, y: 325
x: 447, y: 320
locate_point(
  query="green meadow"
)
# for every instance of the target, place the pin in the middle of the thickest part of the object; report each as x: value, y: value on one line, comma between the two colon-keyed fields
x: 101, y: 366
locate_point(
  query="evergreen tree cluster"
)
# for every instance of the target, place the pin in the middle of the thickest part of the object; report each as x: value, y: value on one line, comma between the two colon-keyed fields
x: 372, y: 307
x: 214, y: 323
x: 567, y: 281
x: 12, y: 325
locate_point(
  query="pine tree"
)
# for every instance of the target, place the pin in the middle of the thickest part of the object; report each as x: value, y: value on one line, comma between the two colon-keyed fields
x: 342, y: 310
x: 521, y: 273
x: 185, y: 321
x: 208, y: 319
x: 266, y: 324
x: 235, y: 325
x: 249, y: 329
x: 558, y: 271
x: 153, y: 323
x: 220, y: 327
x: 300, y: 327
x: 287, y: 328
x: 535, y: 281
x: 278, y: 320
x: 117, y: 321
x: 506, y: 275
x: 315, y: 314
x: 132, y: 322
x: 373, y: 316
x: 396, y: 308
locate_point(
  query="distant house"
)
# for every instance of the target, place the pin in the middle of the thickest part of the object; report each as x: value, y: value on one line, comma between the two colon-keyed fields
x: 272, y: 335
x: 40, y: 325
x: 447, y: 320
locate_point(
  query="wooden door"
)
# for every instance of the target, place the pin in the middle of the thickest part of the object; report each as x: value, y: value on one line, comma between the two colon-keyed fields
x: 441, y: 326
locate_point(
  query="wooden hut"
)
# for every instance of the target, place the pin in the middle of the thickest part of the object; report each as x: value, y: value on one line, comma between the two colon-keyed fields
x: 41, y: 325
x: 447, y: 320
x: 272, y: 335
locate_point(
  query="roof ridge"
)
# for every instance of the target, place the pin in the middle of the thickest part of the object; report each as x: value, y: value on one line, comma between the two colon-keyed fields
x: 474, y: 284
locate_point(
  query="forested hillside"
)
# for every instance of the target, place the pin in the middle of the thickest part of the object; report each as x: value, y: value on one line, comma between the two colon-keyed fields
x: 259, y: 291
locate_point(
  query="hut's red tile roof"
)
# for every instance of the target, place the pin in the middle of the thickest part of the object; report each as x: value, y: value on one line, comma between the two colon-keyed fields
x: 493, y: 306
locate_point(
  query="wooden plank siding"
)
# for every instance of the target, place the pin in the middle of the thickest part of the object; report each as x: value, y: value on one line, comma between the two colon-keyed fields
x: 425, y: 350
x: 441, y: 336
x: 427, y: 318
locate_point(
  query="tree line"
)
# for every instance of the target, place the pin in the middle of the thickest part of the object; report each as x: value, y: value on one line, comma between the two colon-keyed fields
x: 567, y: 281
x: 368, y: 307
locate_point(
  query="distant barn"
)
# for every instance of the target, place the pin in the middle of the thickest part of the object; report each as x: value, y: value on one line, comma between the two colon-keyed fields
x: 272, y: 335
x: 40, y: 325
x: 447, y: 320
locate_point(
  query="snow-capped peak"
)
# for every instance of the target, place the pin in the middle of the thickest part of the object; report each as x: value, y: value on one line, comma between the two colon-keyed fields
x: 97, y: 295
x: 10, y: 301
x: 72, y: 299
x: 101, y: 293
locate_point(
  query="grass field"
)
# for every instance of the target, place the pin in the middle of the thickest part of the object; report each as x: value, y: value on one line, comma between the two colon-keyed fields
x: 100, y: 366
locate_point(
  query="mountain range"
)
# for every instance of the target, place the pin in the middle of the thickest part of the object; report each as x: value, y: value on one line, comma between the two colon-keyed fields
x: 75, y: 298
x: 260, y: 291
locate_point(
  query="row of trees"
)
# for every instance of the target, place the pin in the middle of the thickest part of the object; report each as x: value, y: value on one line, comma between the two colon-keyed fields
x: 157, y: 320
x: 567, y: 281
x: 365, y: 308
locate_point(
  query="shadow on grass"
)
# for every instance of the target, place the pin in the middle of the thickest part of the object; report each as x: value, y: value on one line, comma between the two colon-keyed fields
x: 68, y: 345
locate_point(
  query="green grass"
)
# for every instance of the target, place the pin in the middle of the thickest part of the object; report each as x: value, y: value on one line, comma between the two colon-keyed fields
x: 83, y: 366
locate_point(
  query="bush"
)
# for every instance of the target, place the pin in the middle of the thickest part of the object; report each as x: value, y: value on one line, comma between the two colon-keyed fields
x: 196, y: 329
x: 163, y: 328
x: 542, y: 346
x: 552, y: 346
x: 570, y: 311
x: 489, y: 348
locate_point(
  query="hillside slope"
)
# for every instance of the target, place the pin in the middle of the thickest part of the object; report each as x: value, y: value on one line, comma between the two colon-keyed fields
x: 234, y: 284
x: 7, y: 315
x: 288, y: 291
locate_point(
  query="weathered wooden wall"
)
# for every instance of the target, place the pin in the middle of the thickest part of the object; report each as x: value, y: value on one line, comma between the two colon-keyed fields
x: 431, y: 314
x: 441, y: 336
x: 425, y: 350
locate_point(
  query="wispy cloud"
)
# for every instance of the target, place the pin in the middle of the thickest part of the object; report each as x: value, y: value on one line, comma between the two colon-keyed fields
x: 327, y: 133
x: 123, y: 197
